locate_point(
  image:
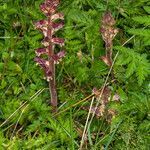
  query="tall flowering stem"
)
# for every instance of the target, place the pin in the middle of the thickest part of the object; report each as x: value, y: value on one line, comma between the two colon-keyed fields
x: 49, y: 27
x: 108, y: 32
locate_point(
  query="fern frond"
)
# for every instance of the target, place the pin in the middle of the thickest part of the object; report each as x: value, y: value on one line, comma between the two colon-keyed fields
x: 140, y: 32
x: 135, y: 63
x: 142, y: 20
x: 131, y: 67
x: 143, y: 69
x: 147, y: 9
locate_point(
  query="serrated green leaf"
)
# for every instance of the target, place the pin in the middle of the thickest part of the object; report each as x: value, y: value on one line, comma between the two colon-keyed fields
x: 136, y: 63
x: 142, y: 19
x: 131, y: 68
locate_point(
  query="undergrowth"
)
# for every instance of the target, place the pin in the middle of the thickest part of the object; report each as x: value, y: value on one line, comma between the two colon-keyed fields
x: 33, y: 126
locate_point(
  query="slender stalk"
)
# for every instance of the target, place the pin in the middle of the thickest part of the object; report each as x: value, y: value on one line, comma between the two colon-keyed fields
x: 52, y: 82
x: 52, y: 89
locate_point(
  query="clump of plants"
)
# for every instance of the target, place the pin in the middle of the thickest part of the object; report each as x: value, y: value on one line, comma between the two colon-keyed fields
x: 115, y: 62
x: 49, y: 27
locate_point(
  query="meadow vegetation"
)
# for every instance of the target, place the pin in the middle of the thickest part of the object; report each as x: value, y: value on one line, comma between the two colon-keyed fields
x: 102, y: 103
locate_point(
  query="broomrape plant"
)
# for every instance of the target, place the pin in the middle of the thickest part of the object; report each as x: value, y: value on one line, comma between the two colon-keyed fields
x: 108, y: 32
x: 49, y: 27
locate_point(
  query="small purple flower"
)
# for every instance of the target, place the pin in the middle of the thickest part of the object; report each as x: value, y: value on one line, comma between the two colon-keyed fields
x: 58, y: 57
x: 41, y: 51
x: 57, y: 26
x: 49, y: 6
x: 41, y: 23
x: 46, y: 41
x: 57, y: 16
x: 48, y: 75
x: 43, y: 63
x: 58, y: 41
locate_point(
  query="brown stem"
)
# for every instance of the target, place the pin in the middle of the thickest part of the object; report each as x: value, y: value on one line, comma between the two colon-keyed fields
x: 52, y: 82
x: 108, y: 46
x: 52, y: 88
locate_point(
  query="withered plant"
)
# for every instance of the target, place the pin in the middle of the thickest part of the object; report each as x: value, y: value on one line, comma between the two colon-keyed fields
x: 108, y: 32
x: 49, y: 27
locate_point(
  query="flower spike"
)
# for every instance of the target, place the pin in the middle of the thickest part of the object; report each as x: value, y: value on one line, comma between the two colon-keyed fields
x: 49, y: 27
x: 108, y: 32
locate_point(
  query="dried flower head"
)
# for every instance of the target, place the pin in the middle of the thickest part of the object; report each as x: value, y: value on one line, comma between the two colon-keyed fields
x: 108, y: 19
x: 108, y: 32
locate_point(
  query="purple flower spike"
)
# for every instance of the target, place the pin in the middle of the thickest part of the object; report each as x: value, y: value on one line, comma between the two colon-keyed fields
x: 49, y: 27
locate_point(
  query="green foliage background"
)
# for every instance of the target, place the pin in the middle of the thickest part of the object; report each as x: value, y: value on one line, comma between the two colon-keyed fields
x: 33, y: 126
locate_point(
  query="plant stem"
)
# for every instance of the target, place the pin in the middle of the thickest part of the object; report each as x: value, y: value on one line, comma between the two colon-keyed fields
x: 52, y: 88
x: 52, y: 82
